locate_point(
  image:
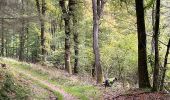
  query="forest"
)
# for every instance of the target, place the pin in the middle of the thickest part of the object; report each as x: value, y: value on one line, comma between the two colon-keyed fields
x: 84, y: 50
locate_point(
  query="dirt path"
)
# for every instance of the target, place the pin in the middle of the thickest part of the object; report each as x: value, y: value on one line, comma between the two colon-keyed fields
x: 66, y: 96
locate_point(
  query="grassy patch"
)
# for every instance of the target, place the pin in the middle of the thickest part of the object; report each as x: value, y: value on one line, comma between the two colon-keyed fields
x: 78, y: 89
x: 10, y: 89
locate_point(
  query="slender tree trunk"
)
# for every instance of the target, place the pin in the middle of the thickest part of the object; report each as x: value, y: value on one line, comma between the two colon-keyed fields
x: 142, y: 54
x: 6, y: 45
x: 22, y: 42
x: 67, y: 36
x: 76, y: 47
x: 165, y: 66
x: 22, y: 36
x: 13, y: 50
x: 2, y: 37
x: 73, y: 10
x: 67, y: 47
x: 152, y: 41
x: 156, y: 36
x: 96, y: 18
x: 43, y: 28
x: 41, y: 14
x: 27, y: 39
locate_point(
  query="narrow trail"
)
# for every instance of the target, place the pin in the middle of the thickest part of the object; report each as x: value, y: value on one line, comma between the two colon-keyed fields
x: 66, y: 96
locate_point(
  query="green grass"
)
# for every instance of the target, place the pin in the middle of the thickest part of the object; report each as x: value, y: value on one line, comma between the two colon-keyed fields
x: 59, y: 96
x: 78, y: 89
x: 10, y: 85
x: 27, y: 67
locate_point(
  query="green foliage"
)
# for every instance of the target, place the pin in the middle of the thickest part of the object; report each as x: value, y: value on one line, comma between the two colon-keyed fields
x: 117, y: 38
x: 149, y: 4
x: 10, y: 89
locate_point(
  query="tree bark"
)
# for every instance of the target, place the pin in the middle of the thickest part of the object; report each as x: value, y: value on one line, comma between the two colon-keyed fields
x: 22, y: 35
x: 73, y: 11
x: 156, y: 36
x: 41, y: 14
x: 165, y: 66
x: 93, y: 70
x: 67, y: 36
x: 76, y: 47
x: 96, y: 5
x: 142, y: 54
x: 2, y: 37
x: 22, y: 42
x: 43, y: 28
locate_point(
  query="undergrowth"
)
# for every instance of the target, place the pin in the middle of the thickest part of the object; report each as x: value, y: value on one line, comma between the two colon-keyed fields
x: 10, y: 89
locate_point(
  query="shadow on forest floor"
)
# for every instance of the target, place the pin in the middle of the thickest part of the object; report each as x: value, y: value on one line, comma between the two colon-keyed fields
x: 137, y: 94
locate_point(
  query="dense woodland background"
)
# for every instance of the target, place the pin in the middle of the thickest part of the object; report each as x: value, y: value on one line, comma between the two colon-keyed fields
x: 126, y: 39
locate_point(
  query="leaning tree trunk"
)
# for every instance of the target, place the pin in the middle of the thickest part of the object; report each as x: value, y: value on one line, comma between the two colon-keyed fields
x: 165, y: 66
x: 96, y: 18
x: 142, y: 54
x: 156, y: 36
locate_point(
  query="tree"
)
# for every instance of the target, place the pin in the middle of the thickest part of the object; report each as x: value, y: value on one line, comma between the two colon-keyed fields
x: 156, y: 36
x: 41, y: 13
x: 73, y: 5
x: 142, y: 59
x: 76, y: 46
x: 2, y: 37
x: 165, y: 66
x: 97, y: 6
x: 66, y: 18
x: 22, y: 35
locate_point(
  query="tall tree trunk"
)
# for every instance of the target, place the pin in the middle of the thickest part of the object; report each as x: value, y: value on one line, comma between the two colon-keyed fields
x: 152, y: 41
x: 43, y: 28
x: 165, y: 66
x: 41, y: 14
x: 156, y: 36
x: 76, y: 46
x: 2, y: 37
x: 142, y: 54
x: 67, y: 47
x: 67, y: 36
x: 27, y: 39
x: 22, y: 35
x: 96, y: 18
x: 73, y: 5
x: 22, y: 42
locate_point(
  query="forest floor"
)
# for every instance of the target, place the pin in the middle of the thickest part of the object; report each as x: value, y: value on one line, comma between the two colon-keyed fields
x: 138, y: 94
x: 59, y: 84
x: 71, y: 87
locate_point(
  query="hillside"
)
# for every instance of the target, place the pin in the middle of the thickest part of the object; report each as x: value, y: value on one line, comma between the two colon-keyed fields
x: 49, y: 83
x: 71, y: 87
